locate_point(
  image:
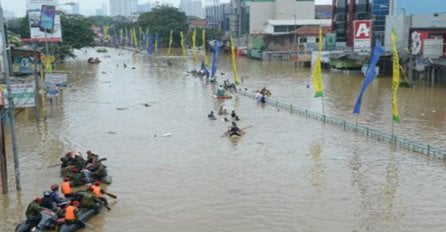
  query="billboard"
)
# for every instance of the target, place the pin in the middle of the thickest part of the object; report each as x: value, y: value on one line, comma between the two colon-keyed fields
x: 22, y: 95
x: 44, y: 21
x: 362, y: 35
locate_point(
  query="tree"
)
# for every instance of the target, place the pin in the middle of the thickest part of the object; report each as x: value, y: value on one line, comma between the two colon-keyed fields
x: 76, y: 31
x: 163, y: 19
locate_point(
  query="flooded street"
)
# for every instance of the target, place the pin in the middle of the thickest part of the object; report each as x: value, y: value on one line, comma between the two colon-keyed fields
x: 288, y: 173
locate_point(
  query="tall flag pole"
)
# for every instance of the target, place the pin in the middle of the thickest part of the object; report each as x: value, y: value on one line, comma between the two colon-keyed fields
x: 203, y: 43
x: 395, y: 79
x: 370, y: 75
x: 194, y: 52
x: 317, y: 72
x: 234, y: 63
x: 170, y: 43
x: 183, y: 49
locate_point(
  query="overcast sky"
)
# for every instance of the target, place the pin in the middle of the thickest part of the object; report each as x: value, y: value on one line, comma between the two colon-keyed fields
x: 88, y: 7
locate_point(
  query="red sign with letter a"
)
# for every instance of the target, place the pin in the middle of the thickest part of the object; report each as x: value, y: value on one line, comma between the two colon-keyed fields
x: 362, y: 35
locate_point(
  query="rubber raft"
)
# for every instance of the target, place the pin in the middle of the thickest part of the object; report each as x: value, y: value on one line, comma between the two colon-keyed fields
x: 84, y: 215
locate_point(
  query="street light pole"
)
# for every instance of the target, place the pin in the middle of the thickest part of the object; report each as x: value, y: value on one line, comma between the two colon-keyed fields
x: 295, y: 40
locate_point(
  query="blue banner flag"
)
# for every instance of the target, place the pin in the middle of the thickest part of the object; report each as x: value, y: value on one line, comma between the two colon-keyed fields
x: 150, y: 47
x: 370, y: 75
x: 215, y: 58
x: 143, y: 41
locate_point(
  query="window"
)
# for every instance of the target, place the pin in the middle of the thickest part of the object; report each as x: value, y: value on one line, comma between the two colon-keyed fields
x: 303, y: 40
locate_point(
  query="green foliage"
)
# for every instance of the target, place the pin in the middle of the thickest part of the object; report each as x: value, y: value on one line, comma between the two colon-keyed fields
x: 211, y: 34
x: 163, y: 19
x: 19, y: 26
x: 76, y: 31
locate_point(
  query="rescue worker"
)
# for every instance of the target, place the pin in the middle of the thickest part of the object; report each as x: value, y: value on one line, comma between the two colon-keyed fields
x: 98, y: 191
x: 72, y: 212
x: 66, y: 188
x: 33, y: 211
x: 47, y: 201
x: 78, y: 161
x: 55, y: 196
x: 89, y: 200
x: 67, y: 159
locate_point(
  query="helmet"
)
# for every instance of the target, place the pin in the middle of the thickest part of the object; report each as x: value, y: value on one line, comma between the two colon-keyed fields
x: 75, y: 203
x: 54, y: 187
x: 88, y: 152
x: 38, y: 200
x: 66, y: 178
x: 90, y: 189
x: 74, y: 169
x: 97, y: 183
x: 69, y: 153
x: 46, y: 193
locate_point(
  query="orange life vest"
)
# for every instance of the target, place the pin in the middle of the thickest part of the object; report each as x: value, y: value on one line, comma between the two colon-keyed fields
x: 69, y: 213
x: 96, y: 190
x: 66, y: 188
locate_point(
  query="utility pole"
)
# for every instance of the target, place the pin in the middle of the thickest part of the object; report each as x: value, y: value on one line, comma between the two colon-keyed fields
x: 11, y: 108
x: 295, y: 40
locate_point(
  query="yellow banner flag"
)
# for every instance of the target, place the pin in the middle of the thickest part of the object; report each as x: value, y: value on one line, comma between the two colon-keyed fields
x: 194, y: 52
x: 140, y: 38
x: 234, y: 63
x: 147, y: 39
x: 203, y: 43
x: 170, y: 42
x: 182, y: 43
x: 317, y: 72
x: 135, y: 38
x: 395, y: 77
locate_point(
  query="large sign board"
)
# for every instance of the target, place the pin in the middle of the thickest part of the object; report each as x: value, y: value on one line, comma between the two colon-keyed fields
x: 53, y: 82
x: 23, y: 95
x: 362, y: 35
x: 44, y: 23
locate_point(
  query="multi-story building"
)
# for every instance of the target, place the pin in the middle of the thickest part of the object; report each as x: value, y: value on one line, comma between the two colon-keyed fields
x: 146, y: 7
x: 123, y: 7
x: 217, y: 16
x: 345, y: 12
x: 192, y: 8
x: 239, y: 18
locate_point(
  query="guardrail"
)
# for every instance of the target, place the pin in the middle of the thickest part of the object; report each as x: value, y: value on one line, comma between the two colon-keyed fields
x: 413, y: 146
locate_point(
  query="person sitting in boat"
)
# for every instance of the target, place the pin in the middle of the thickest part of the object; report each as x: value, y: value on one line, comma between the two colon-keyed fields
x: 47, y: 202
x: 100, y: 171
x: 78, y: 160
x: 72, y: 212
x: 234, y: 130
x: 32, y: 213
x: 98, y: 191
x: 211, y: 116
x: 221, y: 91
x: 91, y: 158
x: 89, y: 200
x: 55, y: 198
x: 67, y: 159
x: 66, y: 188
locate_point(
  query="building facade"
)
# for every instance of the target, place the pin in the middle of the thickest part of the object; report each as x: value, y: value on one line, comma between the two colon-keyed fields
x: 345, y: 12
x: 123, y: 7
x: 218, y: 16
x: 192, y: 8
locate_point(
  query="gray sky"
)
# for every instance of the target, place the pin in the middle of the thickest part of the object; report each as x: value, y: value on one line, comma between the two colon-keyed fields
x: 88, y: 7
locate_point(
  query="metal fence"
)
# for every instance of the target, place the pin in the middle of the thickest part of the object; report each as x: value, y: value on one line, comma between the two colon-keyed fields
x: 358, y: 129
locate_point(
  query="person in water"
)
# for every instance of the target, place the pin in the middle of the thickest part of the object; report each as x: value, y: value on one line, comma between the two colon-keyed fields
x: 220, y: 91
x: 211, y: 115
x: 233, y: 114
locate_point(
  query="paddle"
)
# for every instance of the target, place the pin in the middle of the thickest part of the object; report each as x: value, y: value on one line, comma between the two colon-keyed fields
x: 86, y: 224
x: 111, y: 195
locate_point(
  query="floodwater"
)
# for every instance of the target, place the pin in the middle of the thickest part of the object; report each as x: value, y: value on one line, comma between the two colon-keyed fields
x: 288, y: 173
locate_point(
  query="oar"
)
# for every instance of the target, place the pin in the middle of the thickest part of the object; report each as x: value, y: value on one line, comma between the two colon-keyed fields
x: 244, y: 128
x: 53, y: 165
x: 86, y: 224
x: 111, y: 195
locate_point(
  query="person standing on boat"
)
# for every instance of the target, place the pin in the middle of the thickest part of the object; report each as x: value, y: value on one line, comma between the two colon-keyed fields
x: 72, y: 212
x: 220, y: 91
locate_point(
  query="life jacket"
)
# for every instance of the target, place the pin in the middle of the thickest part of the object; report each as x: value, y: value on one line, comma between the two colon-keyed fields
x: 96, y: 190
x: 69, y: 213
x: 66, y: 188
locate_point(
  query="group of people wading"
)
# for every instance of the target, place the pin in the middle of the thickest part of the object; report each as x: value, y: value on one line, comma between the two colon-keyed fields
x: 52, y: 209
x: 233, y: 130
